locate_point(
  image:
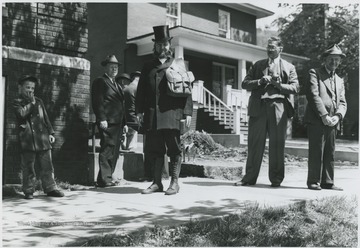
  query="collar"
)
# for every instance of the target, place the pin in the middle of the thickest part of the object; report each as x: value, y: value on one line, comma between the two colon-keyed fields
x: 162, y: 61
x: 276, y: 60
x: 113, y: 81
x: 328, y: 71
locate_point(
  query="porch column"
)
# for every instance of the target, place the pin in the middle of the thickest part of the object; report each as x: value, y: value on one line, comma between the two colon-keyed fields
x: 179, y: 51
x: 241, y: 71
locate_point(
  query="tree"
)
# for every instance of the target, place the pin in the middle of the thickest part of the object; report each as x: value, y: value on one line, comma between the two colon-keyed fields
x: 310, y: 31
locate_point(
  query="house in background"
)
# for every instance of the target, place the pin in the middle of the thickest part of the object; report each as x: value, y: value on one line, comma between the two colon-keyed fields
x: 217, y: 41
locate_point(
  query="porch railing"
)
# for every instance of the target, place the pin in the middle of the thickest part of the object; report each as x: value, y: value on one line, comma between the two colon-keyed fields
x: 213, y: 104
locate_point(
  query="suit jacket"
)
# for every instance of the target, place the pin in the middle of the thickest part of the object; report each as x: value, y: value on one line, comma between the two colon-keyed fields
x: 319, y: 96
x: 33, y: 125
x: 161, y: 111
x: 289, y: 85
x: 108, y: 101
x: 130, y: 96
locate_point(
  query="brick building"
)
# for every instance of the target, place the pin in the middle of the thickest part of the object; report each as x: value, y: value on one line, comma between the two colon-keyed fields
x: 48, y: 40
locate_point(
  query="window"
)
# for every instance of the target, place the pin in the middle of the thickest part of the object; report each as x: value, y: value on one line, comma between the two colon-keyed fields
x: 223, y: 75
x: 224, y: 24
x: 173, y: 14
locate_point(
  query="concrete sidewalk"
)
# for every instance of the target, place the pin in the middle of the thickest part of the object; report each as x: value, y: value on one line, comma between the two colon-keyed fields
x: 50, y: 222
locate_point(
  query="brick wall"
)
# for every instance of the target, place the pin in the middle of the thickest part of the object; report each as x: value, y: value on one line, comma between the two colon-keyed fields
x: 49, y: 40
x: 50, y: 27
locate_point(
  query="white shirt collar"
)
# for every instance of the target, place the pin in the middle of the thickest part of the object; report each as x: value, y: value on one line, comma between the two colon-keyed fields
x: 113, y: 81
x: 162, y: 61
x: 328, y: 71
x: 276, y: 60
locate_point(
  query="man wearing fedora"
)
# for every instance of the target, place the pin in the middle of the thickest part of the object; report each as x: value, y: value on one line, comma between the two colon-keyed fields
x: 35, y: 135
x: 161, y: 113
x: 108, y: 105
x: 131, y: 83
x: 326, y: 107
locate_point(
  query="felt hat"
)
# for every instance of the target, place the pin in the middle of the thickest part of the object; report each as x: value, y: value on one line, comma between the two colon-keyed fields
x: 161, y: 33
x: 135, y: 73
x: 29, y: 78
x: 110, y: 59
x: 333, y: 50
x: 123, y: 75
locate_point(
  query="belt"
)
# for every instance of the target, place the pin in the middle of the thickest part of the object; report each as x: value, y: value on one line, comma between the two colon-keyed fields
x: 272, y: 99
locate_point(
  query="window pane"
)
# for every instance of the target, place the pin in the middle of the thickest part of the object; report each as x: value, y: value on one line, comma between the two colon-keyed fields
x: 171, y: 21
x: 172, y: 9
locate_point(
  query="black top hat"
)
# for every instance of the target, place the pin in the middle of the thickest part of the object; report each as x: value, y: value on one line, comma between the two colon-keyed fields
x: 135, y: 73
x: 161, y: 33
x: 333, y: 50
x: 123, y: 75
x: 110, y: 59
x: 29, y: 78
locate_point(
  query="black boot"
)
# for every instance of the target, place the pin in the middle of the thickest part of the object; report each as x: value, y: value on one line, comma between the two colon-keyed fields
x: 156, y: 186
x: 175, y: 167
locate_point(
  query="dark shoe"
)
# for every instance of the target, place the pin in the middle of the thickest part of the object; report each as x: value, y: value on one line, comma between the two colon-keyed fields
x: 243, y: 183
x: 111, y: 184
x: 55, y: 193
x: 28, y: 196
x: 275, y: 185
x: 331, y: 186
x: 153, y: 188
x: 173, y: 189
x: 314, y: 186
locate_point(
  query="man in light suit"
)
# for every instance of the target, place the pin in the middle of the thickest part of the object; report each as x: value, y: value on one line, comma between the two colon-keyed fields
x: 326, y: 107
x: 108, y: 105
x: 271, y: 82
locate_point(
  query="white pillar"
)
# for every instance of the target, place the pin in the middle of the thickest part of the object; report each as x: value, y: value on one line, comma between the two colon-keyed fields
x: 227, y: 96
x: 179, y: 51
x: 241, y: 71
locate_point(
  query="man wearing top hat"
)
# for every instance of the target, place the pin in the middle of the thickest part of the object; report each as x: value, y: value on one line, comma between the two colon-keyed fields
x: 108, y: 105
x: 326, y: 107
x: 35, y: 137
x: 161, y: 113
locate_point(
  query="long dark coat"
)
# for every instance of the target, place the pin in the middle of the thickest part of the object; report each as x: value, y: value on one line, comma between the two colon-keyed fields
x: 161, y: 111
x: 33, y: 125
x: 108, y: 101
x: 289, y: 85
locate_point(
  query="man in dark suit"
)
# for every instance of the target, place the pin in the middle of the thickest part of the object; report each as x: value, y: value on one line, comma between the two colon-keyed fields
x: 35, y: 136
x: 161, y: 113
x: 271, y: 82
x: 326, y: 107
x: 108, y: 106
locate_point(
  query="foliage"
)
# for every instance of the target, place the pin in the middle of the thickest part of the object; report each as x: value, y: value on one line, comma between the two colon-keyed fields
x: 309, y: 32
x: 330, y: 221
x: 203, y: 140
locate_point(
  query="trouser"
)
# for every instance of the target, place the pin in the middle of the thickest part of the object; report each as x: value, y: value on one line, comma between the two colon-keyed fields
x: 321, y: 154
x: 271, y: 120
x: 110, y: 140
x: 161, y: 142
x: 28, y: 159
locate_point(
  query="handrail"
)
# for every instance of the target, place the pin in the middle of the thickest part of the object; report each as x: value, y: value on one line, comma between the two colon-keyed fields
x: 218, y: 99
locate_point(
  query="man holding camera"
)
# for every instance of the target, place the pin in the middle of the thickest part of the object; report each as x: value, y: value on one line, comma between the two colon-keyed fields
x: 271, y: 81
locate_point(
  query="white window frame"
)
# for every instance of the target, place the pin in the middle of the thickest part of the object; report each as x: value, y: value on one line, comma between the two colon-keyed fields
x: 227, y: 30
x: 178, y: 17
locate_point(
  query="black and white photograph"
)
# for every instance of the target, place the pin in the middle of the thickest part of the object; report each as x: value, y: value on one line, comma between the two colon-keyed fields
x: 180, y: 124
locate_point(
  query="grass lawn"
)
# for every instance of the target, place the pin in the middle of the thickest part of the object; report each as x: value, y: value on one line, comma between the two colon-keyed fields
x: 330, y: 221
